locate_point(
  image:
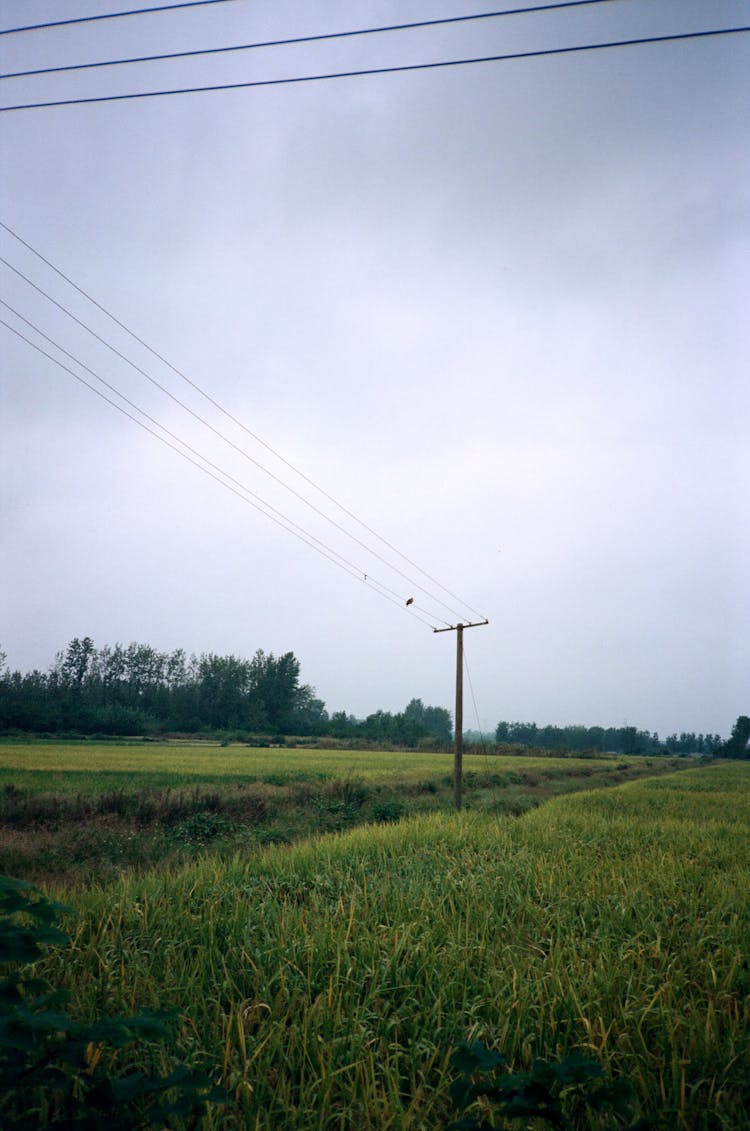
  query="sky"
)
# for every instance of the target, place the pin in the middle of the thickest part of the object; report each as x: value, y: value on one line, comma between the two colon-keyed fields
x: 497, y: 312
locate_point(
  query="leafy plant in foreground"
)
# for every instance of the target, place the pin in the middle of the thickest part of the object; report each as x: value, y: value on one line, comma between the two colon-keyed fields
x: 53, y: 1069
x: 563, y: 1094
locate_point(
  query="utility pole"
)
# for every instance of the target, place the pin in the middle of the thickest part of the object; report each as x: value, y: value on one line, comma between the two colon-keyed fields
x: 458, y: 756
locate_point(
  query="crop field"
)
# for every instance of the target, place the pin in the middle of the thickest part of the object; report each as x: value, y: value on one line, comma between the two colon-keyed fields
x: 328, y: 981
x: 70, y: 766
x: 83, y: 812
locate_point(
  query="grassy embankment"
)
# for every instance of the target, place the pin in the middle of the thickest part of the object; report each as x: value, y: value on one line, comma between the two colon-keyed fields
x: 329, y: 980
x: 78, y: 812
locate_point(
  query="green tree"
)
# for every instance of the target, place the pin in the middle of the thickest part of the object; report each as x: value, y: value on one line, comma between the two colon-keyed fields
x: 224, y: 684
x: 738, y: 743
x: 112, y: 666
x: 75, y: 663
x: 415, y: 710
x: 438, y: 723
x: 435, y: 721
x: 310, y: 715
x: 341, y: 725
x: 275, y: 684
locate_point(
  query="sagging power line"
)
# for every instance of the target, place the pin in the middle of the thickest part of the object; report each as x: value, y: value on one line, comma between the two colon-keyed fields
x: 216, y: 473
x: 370, y: 71
x: 112, y: 15
x: 463, y: 605
x: 321, y: 37
x: 217, y: 432
x: 432, y: 597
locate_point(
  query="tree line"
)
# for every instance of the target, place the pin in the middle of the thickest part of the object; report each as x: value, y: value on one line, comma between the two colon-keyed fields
x: 138, y: 690
x: 621, y: 740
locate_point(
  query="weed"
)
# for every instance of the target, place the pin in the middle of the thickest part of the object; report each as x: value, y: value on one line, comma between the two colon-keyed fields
x: 115, y: 801
x: 386, y: 810
x: 200, y: 828
x: 348, y: 791
x: 272, y: 836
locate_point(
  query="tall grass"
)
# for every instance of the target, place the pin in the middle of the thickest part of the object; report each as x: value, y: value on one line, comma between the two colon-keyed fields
x: 330, y: 980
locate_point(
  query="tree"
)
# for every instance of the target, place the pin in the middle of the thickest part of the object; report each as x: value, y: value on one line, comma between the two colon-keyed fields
x: 275, y: 684
x: 435, y: 721
x: 224, y: 682
x: 144, y: 671
x: 111, y: 667
x: 525, y: 733
x: 415, y: 710
x: 310, y: 715
x: 439, y: 724
x: 137, y: 689
x: 75, y: 663
x: 594, y: 738
x: 738, y: 743
x: 341, y: 725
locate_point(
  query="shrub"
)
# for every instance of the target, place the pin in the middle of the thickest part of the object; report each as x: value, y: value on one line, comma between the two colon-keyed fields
x: 200, y: 828
x: 559, y: 1093
x: 383, y: 811
x: 349, y: 791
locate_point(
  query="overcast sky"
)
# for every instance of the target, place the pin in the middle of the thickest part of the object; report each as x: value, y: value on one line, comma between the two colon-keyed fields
x: 498, y: 312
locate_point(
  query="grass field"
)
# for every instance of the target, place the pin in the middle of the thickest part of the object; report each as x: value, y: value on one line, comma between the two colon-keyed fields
x: 73, y: 766
x: 329, y: 980
x: 86, y: 812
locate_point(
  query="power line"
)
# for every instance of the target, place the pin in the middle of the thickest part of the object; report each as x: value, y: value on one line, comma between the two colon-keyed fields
x: 239, y: 489
x: 241, y: 451
x: 226, y: 439
x: 350, y: 514
x: 414, y: 25
x: 378, y: 70
x: 515, y: 55
x: 112, y: 16
x: 174, y: 436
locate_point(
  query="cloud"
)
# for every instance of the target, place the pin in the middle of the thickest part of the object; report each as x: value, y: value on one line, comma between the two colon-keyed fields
x: 495, y: 307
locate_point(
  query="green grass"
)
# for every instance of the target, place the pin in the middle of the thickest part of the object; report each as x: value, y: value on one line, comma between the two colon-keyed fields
x: 329, y: 980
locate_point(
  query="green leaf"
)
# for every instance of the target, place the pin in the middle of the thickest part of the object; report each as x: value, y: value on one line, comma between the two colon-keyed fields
x: 474, y: 1057
x: 126, y: 1089
x: 619, y: 1095
x: 18, y: 896
x: 462, y: 1092
x: 468, y: 1123
x: 22, y: 944
x: 577, y: 1068
x: 121, y: 1031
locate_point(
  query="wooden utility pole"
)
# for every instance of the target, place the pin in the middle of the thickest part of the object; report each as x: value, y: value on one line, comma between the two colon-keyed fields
x: 458, y: 756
